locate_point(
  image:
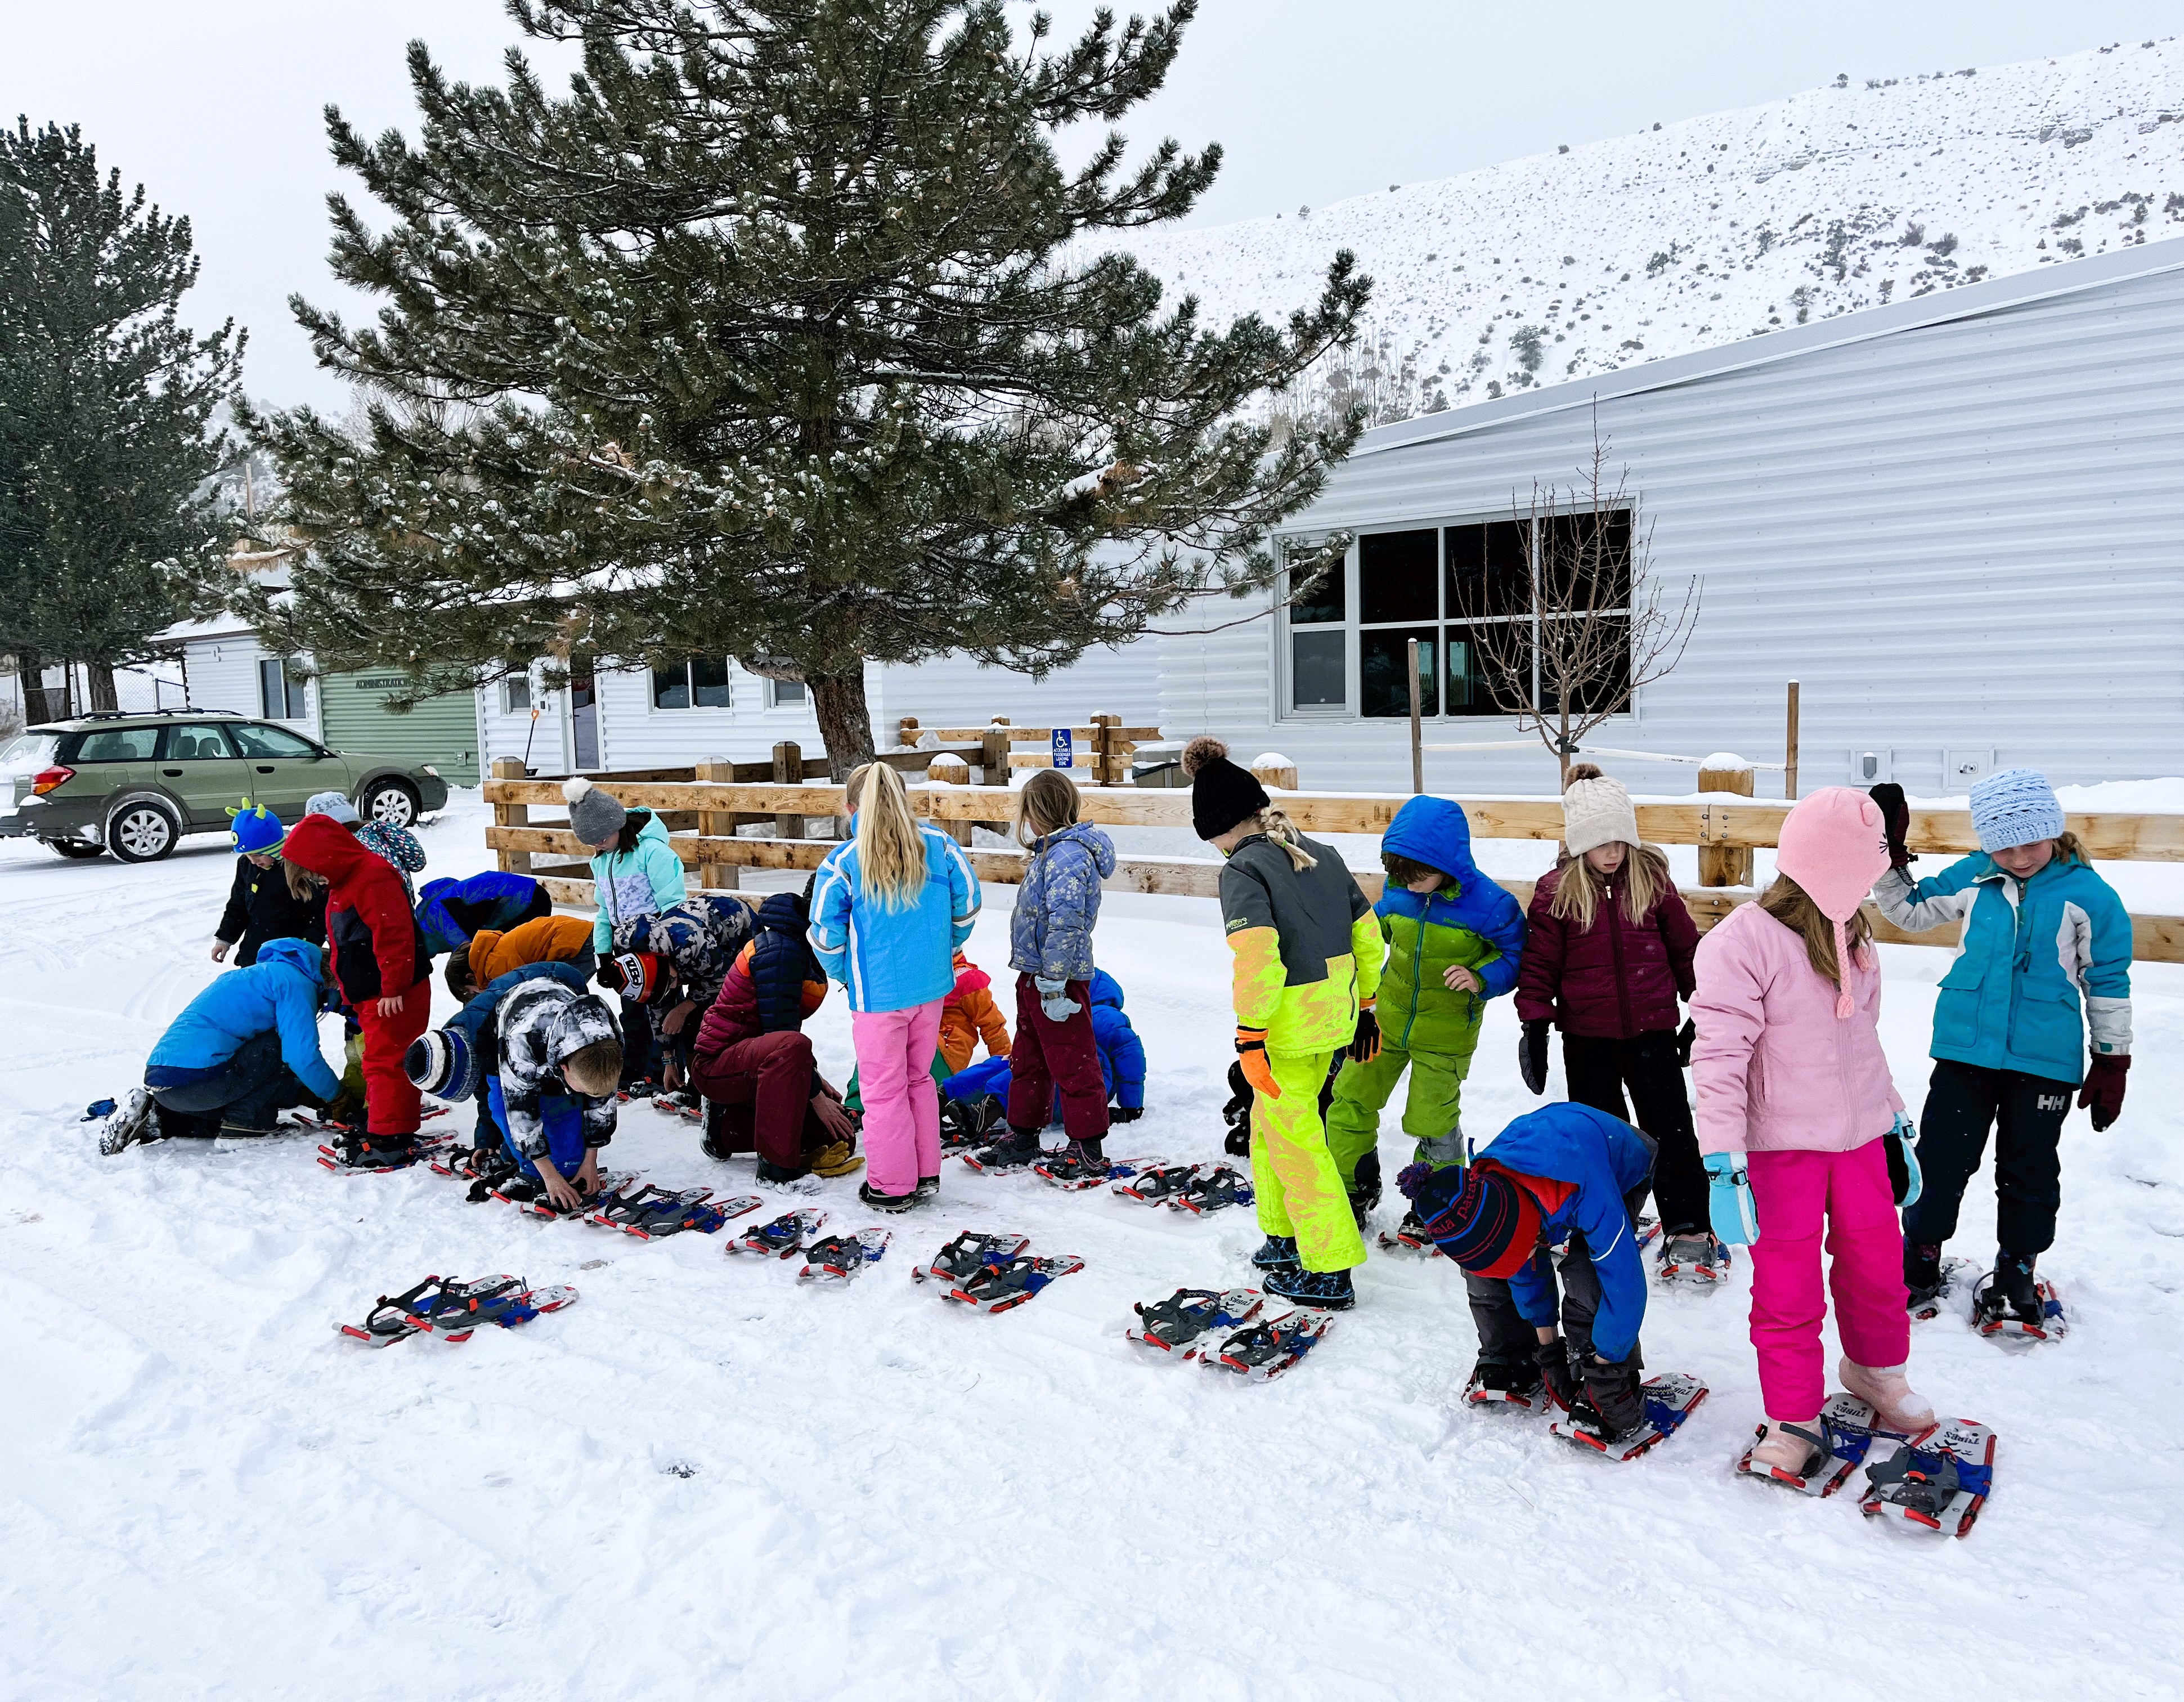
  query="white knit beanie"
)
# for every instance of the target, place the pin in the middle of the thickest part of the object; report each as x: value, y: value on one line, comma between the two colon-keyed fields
x: 1597, y: 813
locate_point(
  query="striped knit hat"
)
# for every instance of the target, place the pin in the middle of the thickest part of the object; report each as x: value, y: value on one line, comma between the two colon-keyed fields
x: 1476, y: 1215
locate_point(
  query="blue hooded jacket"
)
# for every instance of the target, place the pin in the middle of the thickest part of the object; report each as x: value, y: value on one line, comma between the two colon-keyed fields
x: 1604, y: 1158
x: 1122, y: 1056
x: 475, y: 1023
x: 451, y: 912
x: 280, y: 992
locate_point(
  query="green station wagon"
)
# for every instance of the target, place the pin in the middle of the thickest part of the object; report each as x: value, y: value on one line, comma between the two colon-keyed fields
x: 134, y: 785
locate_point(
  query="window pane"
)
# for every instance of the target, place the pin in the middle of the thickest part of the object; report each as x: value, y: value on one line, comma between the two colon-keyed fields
x: 1383, y: 671
x: 269, y: 741
x: 272, y: 692
x: 1584, y: 561
x: 788, y: 691
x: 1489, y: 571
x: 709, y: 681
x: 193, y: 745
x: 117, y: 745
x: 1396, y: 572
x: 1592, y: 657
x: 516, y: 694
x: 299, y: 702
x: 1490, y: 678
x: 671, y: 687
x: 1318, y: 603
x: 1317, y: 675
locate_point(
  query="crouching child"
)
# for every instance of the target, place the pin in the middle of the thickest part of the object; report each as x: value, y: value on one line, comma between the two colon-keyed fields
x: 1565, y: 1173
x: 554, y: 1098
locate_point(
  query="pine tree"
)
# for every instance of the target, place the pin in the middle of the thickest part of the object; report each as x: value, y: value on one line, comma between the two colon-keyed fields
x: 106, y: 404
x: 782, y: 335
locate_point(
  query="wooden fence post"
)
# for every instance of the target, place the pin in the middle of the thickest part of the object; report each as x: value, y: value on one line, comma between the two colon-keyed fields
x: 1726, y: 865
x: 1104, y: 756
x: 788, y: 769
x: 951, y: 771
x: 905, y: 732
x: 994, y: 754
x: 511, y: 815
x: 1790, y: 746
x: 1276, y: 777
x: 713, y: 824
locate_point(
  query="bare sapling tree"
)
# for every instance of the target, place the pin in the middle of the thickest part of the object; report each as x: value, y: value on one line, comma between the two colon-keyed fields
x: 1594, y: 626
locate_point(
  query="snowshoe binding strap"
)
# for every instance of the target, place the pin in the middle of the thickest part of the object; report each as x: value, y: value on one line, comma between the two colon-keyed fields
x: 1071, y: 1169
x: 964, y: 1255
x: 1212, y: 1190
x: 839, y: 1256
x: 1180, y: 1319
x: 1161, y: 1183
x: 1261, y: 1344
x: 1919, y: 1482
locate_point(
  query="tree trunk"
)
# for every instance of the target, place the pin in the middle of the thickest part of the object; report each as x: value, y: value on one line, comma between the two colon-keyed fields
x: 103, y: 694
x: 845, y: 722
x: 38, y: 705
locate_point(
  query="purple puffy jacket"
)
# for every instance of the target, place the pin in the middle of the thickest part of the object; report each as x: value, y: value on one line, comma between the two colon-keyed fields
x: 1615, y: 980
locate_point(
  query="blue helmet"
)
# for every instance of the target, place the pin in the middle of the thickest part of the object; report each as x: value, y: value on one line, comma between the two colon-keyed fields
x: 258, y: 831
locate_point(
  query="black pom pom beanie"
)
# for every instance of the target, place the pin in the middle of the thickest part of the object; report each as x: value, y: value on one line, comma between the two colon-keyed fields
x: 1222, y: 794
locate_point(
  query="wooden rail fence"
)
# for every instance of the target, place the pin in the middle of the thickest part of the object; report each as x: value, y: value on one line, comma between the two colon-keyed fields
x: 1727, y: 821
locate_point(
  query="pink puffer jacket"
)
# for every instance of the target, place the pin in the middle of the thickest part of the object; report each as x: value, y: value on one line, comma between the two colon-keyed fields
x: 1774, y: 1068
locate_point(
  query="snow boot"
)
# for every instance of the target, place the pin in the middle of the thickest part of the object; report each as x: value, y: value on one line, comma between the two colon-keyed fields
x: 778, y: 1175
x: 1277, y: 1253
x: 1017, y: 1152
x: 886, y: 1202
x: 1330, y: 1291
x: 1365, y: 1188
x: 1896, y: 1404
x: 1797, y: 1450
x: 1080, y: 1165
x: 138, y: 1119
x: 2015, y: 1290
x: 926, y: 1188
x: 966, y: 1123
x: 1922, y: 1272
x: 1507, y: 1380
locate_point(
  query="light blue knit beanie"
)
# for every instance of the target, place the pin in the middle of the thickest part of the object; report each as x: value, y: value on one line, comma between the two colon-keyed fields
x: 2014, y: 806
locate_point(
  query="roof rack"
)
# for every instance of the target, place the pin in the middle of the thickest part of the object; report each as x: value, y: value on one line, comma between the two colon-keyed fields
x: 127, y: 714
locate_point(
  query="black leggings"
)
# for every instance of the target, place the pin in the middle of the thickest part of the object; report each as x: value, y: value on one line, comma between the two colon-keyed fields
x: 1597, y: 1071
x: 2026, y: 1112
x: 1504, y: 1334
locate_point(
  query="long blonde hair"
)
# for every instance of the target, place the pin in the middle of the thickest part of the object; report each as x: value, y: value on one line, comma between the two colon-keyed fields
x: 303, y: 883
x: 1792, y: 906
x: 890, y: 844
x: 1579, y: 887
x: 1047, y: 804
x: 1278, y: 827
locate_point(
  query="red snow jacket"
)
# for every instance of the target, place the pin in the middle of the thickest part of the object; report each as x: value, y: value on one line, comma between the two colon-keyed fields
x: 377, y: 948
x: 1614, y: 981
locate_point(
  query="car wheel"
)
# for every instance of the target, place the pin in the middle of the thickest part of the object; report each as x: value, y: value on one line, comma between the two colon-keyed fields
x: 142, y: 832
x: 393, y: 801
x: 76, y: 851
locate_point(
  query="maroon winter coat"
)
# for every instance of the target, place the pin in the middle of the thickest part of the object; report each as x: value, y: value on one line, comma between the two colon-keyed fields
x: 1617, y: 979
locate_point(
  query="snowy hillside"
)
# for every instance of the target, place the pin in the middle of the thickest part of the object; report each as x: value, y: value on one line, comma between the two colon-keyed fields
x: 1695, y: 234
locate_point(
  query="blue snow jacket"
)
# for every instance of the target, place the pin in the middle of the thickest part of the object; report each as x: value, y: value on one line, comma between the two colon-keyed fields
x: 451, y: 912
x: 892, y: 959
x: 2041, y: 964
x: 475, y: 1023
x: 1050, y: 932
x: 1604, y: 1158
x: 280, y: 992
x: 1434, y: 831
x: 1122, y: 1056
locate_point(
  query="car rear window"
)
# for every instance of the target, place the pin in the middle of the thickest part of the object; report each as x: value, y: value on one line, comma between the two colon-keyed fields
x: 117, y: 745
x: 28, y: 752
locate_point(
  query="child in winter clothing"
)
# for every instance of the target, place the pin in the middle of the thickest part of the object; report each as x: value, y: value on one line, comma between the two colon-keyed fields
x: 553, y: 1097
x: 1607, y: 952
x: 259, y: 905
x: 379, y: 965
x: 2042, y: 967
x: 453, y: 912
x: 1565, y: 1173
x: 398, y: 845
x: 1122, y: 1061
x: 1308, y: 952
x: 635, y: 873
x: 969, y: 1014
x: 888, y: 911
x: 754, y: 1063
x: 673, y: 965
x: 455, y: 1061
x: 243, y: 1050
x: 491, y: 953
x: 1454, y: 941
x: 1794, y: 1110
x: 1055, y: 1053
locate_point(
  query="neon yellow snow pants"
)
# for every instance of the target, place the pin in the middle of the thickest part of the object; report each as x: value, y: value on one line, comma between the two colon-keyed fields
x: 1294, y: 1181
x: 1431, y: 1111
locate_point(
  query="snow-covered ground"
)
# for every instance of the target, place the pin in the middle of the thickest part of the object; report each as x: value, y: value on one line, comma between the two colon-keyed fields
x: 704, y: 1475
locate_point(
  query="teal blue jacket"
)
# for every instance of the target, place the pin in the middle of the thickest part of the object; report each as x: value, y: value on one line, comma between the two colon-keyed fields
x: 2042, y: 966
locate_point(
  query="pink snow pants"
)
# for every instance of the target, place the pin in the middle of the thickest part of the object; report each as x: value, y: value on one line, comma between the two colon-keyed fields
x: 1794, y: 1193
x: 902, y: 1104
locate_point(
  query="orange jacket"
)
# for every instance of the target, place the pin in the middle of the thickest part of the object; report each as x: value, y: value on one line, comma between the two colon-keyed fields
x: 543, y: 940
x: 968, y: 1013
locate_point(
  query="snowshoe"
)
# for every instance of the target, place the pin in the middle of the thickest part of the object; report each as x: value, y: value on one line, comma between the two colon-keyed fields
x: 968, y: 1123
x: 390, y: 1317
x: 1669, y: 1400
x: 1692, y: 1261
x: 612, y: 1185
x: 656, y: 1213
x: 681, y: 1102
x: 137, y: 1121
x: 1499, y: 1385
x: 1189, y: 1313
x: 1263, y: 1350
x: 894, y: 1204
x: 368, y: 1154
x: 841, y: 1257
x: 1958, y: 1277
x: 1000, y: 1285
x: 1330, y: 1291
x: 2011, y: 1304
x: 645, y: 1087
x: 1843, y: 1433
x: 783, y: 1238
x: 964, y: 1255
x: 1069, y: 1169
x: 1409, y: 1236
x: 1211, y: 1191
x: 1938, y: 1481
x: 1157, y: 1185
x: 1017, y: 1152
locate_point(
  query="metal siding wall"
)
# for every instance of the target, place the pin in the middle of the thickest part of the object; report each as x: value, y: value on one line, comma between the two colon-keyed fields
x: 1968, y: 534
x: 443, y: 731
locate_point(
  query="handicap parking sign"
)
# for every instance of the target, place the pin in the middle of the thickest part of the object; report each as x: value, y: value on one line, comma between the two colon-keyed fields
x: 1062, y: 748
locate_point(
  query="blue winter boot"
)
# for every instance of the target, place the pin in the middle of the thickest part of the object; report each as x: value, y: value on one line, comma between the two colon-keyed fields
x: 1327, y: 1290
x: 1278, y: 1253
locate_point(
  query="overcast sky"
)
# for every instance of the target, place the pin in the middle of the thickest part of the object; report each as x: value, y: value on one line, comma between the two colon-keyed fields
x: 214, y: 104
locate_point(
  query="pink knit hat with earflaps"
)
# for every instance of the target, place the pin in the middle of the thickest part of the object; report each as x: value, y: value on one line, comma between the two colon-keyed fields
x: 1835, y: 845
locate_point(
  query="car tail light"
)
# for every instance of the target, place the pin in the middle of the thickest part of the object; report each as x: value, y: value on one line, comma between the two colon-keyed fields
x: 47, y: 779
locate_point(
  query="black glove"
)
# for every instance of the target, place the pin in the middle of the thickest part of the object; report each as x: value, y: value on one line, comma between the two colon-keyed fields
x: 1612, y: 1391
x: 1532, y: 1055
x: 1684, y: 1036
x: 1553, y: 1360
x: 1237, y: 1142
x: 1896, y: 820
x: 1365, y: 1043
x: 1125, y: 1114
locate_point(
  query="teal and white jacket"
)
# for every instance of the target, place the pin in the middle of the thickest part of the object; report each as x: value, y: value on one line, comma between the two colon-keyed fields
x: 630, y: 885
x: 2042, y: 966
x: 891, y: 959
